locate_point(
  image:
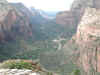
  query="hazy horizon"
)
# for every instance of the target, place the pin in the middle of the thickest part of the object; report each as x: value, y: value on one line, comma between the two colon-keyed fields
x: 46, y: 5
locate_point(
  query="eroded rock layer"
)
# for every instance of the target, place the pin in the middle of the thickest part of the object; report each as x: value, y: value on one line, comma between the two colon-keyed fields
x: 85, y: 45
x: 12, y: 22
x: 88, y: 38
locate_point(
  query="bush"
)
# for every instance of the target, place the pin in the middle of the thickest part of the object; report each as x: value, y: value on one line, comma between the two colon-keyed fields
x: 25, y: 64
x: 76, y: 72
x: 18, y: 64
x: 49, y: 73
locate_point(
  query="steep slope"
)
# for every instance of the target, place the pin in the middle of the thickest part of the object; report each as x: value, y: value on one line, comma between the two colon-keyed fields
x: 12, y: 22
x: 24, y: 30
x: 16, y: 24
x: 89, y: 35
x: 71, y: 18
x: 67, y: 20
x: 23, y: 22
x: 33, y: 19
x: 4, y: 10
x: 85, y: 45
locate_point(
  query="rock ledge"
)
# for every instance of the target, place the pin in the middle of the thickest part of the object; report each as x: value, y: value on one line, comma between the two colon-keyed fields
x: 17, y: 72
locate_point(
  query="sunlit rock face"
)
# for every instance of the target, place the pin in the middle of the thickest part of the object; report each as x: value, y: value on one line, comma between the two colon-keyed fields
x: 88, y: 38
x: 71, y: 18
x: 78, y: 4
x: 90, y: 23
x: 84, y: 46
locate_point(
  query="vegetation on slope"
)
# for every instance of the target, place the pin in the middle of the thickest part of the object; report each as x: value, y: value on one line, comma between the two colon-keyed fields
x: 25, y: 64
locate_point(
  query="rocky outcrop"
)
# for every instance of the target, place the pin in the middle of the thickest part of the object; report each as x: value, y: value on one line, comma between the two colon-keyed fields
x: 19, y: 21
x: 22, y: 72
x: 68, y: 22
x: 16, y: 20
x: 78, y: 4
x: 17, y: 72
x: 85, y: 45
x: 4, y: 10
x: 12, y: 22
x: 65, y: 18
x: 89, y: 35
x: 71, y: 18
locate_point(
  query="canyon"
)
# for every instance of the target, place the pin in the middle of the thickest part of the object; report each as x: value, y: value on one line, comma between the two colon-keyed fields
x: 79, y: 26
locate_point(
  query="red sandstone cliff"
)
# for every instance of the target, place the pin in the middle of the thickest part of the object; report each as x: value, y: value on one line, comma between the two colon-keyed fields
x: 84, y: 47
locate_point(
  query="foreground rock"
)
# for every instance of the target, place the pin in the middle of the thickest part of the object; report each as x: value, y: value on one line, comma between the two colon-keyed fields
x: 17, y: 72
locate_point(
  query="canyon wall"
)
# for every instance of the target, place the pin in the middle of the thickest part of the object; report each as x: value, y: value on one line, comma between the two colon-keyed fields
x: 84, y: 47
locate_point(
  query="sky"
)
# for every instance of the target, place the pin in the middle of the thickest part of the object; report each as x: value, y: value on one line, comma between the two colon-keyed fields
x: 47, y: 5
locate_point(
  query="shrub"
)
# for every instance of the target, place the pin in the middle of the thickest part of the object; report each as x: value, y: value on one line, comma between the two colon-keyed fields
x: 49, y: 73
x: 25, y: 64
x: 76, y: 72
x: 17, y: 64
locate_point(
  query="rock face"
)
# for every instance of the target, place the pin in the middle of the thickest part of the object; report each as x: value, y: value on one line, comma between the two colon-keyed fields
x: 12, y: 22
x: 89, y: 35
x: 71, y: 18
x: 17, y: 72
x: 4, y: 10
x: 84, y: 3
x: 17, y: 20
x: 67, y: 20
x: 84, y: 47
